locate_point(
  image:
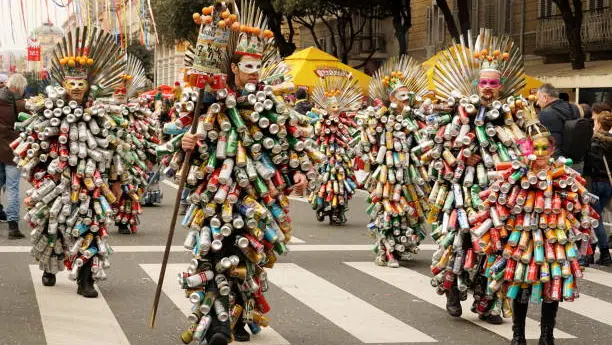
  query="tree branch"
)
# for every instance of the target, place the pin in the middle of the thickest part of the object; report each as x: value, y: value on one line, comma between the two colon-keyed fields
x: 367, y: 59
x: 448, y: 18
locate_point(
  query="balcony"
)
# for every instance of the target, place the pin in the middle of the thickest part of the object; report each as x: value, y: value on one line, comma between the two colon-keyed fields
x: 596, y: 34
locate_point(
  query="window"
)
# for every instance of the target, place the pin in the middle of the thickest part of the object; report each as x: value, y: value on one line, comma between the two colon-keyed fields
x: 436, y: 26
x: 546, y: 8
x: 592, y: 5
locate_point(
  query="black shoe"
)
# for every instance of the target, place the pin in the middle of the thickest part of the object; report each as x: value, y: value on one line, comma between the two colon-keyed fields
x: 546, y: 335
x: 48, y: 279
x: 218, y: 339
x: 124, y: 229
x: 241, y: 334
x: 2, y: 214
x: 453, y: 305
x: 518, y: 335
x: 320, y: 216
x: 85, y: 282
x: 492, y: 319
x: 14, y: 233
x: 604, y: 257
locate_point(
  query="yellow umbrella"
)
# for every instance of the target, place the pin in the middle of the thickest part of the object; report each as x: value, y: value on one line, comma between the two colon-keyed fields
x: 310, y: 64
x: 429, y: 66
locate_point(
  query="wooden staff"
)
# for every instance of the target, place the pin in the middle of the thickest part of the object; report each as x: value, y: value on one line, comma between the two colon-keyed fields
x: 177, y: 202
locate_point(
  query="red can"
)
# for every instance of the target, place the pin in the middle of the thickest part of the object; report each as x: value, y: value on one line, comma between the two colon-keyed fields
x: 533, y: 272
x: 555, y: 290
x: 556, y: 203
x: 575, y: 265
x: 550, y: 251
x: 449, y: 280
x: 483, y: 305
x: 469, y: 262
x: 495, y: 239
x: 509, y: 271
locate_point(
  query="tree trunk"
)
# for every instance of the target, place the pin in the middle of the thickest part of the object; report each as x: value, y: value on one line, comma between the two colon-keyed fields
x: 401, y: 23
x: 275, y: 20
x: 449, y: 19
x: 573, y: 26
x: 464, y: 17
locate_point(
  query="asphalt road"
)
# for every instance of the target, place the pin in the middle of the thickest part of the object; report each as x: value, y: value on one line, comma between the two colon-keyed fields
x: 326, y: 291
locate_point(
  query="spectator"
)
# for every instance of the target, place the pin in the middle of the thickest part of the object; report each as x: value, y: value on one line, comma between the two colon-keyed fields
x: 11, y: 102
x: 595, y: 167
x: 302, y: 105
x: 3, y: 80
x: 177, y: 92
x: 159, y: 94
x: 599, y: 108
x: 585, y: 111
x: 562, y: 117
x: 564, y: 96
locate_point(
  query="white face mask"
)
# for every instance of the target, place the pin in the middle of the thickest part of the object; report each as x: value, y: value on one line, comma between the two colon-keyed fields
x: 402, y: 95
x: 249, y: 67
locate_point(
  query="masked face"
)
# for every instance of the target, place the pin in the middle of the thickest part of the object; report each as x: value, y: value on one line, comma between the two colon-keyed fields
x: 489, y: 86
x: 400, y: 97
x: 120, y: 97
x: 76, y: 88
x: 246, y: 71
x: 542, y: 149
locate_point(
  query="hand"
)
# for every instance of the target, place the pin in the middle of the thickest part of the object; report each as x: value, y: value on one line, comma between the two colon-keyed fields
x: 300, y: 183
x: 472, y: 160
x: 116, y: 189
x: 189, y: 141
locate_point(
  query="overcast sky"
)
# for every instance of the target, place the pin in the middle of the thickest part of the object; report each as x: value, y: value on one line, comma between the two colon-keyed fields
x: 35, y: 12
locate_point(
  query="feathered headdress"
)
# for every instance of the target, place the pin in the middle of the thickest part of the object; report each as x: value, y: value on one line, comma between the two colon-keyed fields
x: 91, y: 54
x: 397, y: 72
x: 337, y: 91
x: 459, y: 66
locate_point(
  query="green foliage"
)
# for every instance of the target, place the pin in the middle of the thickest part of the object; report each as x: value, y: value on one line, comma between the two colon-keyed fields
x: 145, y: 56
x: 173, y: 19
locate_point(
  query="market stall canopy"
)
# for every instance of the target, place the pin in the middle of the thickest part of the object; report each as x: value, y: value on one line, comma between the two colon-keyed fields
x: 308, y: 65
x: 531, y: 86
x: 562, y: 76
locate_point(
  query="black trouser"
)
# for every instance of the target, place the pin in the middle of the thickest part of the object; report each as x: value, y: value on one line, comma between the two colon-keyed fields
x: 549, y: 313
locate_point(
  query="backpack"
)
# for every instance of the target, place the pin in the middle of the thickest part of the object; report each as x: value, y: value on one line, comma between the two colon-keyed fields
x: 577, y: 134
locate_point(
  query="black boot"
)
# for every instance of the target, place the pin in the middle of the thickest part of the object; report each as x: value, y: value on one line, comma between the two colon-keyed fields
x: 604, y: 257
x: 14, y: 233
x: 218, y: 339
x: 240, y: 333
x: 547, y: 323
x: 48, y: 279
x: 85, y: 282
x: 2, y: 214
x: 124, y: 229
x: 453, y: 304
x: 519, y: 314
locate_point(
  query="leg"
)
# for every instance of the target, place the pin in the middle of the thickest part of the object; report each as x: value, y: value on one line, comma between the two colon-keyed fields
x: 547, y: 323
x: 602, y: 190
x: 218, y: 333
x: 519, y: 314
x: 2, y: 184
x: 12, y: 196
x: 85, y: 281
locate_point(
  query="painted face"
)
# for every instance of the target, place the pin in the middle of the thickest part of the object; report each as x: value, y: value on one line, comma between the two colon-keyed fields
x: 120, y: 97
x: 246, y: 71
x: 400, y: 97
x: 542, y: 149
x: 489, y: 86
x: 76, y: 88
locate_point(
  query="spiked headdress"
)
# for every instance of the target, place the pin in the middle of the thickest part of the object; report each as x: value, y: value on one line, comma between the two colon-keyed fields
x: 91, y: 54
x: 397, y: 72
x: 339, y: 91
x: 133, y: 79
x: 459, y: 66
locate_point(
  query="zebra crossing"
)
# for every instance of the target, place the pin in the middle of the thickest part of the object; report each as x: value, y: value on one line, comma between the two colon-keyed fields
x: 349, y: 317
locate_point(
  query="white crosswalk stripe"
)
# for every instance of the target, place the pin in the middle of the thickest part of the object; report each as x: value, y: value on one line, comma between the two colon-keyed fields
x: 364, y: 321
x: 418, y: 285
x: 59, y: 310
x: 359, y: 318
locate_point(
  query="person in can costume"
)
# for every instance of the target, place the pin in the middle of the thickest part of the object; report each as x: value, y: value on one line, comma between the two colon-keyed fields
x: 478, y: 128
x: 545, y: 221
x: 392, y: 135
x: 66, y: 150
x: 239, y: 176
x: 138, y: 131
x: 335, y: 98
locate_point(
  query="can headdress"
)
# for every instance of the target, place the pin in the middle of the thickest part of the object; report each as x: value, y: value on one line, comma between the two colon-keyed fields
x: 458, y: 68
x: 335, y: 90
x: 133, y: 79
x: 395, y: 73
x: 88, y: 54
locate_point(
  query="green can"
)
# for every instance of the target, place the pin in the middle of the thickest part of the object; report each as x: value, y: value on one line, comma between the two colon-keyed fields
x: 232, y: 143
x: 236, y: 119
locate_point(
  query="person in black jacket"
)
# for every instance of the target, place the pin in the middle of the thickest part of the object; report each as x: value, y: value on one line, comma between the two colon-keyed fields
x: 302, y: 105
x: 595, y: 167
